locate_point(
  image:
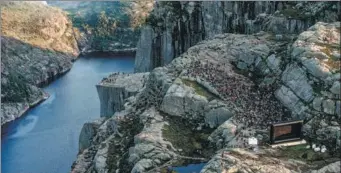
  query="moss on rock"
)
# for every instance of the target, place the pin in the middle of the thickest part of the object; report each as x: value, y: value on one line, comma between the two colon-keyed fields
x: 199, y: 89
x: 187, y: 139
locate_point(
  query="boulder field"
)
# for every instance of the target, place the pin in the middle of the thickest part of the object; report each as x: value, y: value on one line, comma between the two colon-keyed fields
x: 205, y: 103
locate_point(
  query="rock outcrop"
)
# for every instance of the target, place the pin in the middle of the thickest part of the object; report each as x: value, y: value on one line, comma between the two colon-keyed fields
x: 263, y: 161
x: 333, y: 167
x: 204, y: 105
x: 116, y: 88
x: 176, y: 26
x: 37, y: 45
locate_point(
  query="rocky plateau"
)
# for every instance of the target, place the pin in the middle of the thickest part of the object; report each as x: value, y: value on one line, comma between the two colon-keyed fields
x: 203, y: 105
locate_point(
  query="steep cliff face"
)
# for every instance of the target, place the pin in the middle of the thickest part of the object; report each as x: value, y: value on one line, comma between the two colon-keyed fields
x: 204, y: 105
x: 176, y: 26
x: 114, y: 90
x: 37, y: 45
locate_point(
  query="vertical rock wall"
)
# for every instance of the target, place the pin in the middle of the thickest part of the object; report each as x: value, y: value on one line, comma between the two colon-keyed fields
x: 114, y: 90
x: 176, y: 26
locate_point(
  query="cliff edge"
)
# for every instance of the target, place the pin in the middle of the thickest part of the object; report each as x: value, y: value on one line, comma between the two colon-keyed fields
x: 205, y: 104
x: 37, y: 45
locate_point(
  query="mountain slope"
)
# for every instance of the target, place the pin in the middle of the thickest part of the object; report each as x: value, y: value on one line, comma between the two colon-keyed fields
x: 37, y: 45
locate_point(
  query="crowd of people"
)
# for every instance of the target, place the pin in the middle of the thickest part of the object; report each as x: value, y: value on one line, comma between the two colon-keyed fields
x: 255, y: 106
x: 111, y: 78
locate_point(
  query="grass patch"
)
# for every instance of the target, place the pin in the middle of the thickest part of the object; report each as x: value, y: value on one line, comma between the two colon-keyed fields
x: 117, y: 151
x: 328, y: 50
x: 300, y: 152
x: 318, y: 88
x: 37, y: 25
x: 199, y: 89
x: 183, y: 136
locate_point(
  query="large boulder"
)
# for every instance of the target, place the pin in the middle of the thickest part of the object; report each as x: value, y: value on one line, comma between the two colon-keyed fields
x: 182, y: 100
x: 150, y: 149
x: 223, y: 134
x: 295, y: 78
x: 88, y: 132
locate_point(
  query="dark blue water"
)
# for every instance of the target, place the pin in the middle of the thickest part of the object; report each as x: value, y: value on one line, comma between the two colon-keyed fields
x: 191, y: 168
x: 46, y: 139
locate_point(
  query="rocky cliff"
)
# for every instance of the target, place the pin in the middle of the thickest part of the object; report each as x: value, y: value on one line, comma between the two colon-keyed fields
x: 204, y: 105
x: 37, y: 45
x: 116, y: 88
x: 173, y: 27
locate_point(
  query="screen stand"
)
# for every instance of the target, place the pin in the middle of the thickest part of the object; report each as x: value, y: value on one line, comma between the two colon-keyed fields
x: 286, y: 144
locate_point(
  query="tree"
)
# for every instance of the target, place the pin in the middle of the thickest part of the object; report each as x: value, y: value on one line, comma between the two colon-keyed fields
x: 139, y: 11
x: 105, y: 25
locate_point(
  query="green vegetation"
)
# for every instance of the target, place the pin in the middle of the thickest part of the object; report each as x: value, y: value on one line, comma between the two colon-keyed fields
x: 129, y: 127
x: 328, y: 50
x: 300, y: 152
x: 30, y: 22
x: 105, y: 22
x: 182, y: 135
x: 318, y: 88
x: 199, y: 89
x: 139, y: 12
x: 89, y: 13
x: 15, y: 82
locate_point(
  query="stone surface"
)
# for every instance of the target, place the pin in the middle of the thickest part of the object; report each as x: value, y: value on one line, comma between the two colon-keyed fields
x: 295, y: 78
x: 181, y: 100
x: 328, y: 106
x: 241, y: 160
x: 203, y: 20
x: 314, y: 67
x: 114, y: 89
x: 89, y: 130
x: 273, y: 63
x: 223, y: 134
x: 317, y: 103
x: 335, y: 89
x: 181, y: 112
x: 331, y: 168
x: 143, y: 59
x: 217, y: 116
x: 149, y: 144
x: 290, y: 100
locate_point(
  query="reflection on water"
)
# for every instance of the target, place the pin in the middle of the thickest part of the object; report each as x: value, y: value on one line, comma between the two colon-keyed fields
x: 49, y: 100
x: 26, y: 126
x: 45, y: 140
x: 191, y: 168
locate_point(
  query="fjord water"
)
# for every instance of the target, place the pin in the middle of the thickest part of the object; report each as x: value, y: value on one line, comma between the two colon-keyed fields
x: 45, y: 140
